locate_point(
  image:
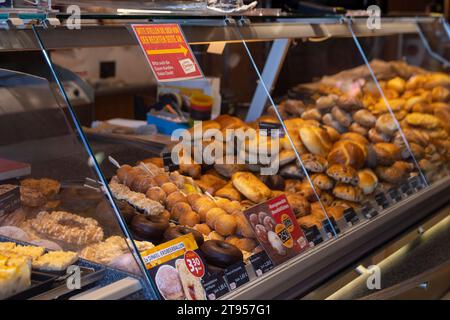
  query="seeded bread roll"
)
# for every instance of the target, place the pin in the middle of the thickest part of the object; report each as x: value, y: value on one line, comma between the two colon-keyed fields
x: 314, y: 163
x: 344, y: 118
x: 347, y: 192
x: 250, y: 186
x: 376, y: 136
x: 322, y: 181
x: 343, y: 173
x: 300, y: 206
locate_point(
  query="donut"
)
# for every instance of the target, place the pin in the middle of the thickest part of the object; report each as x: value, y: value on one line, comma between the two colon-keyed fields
x: 179, y: 209
x: 276, y: 243
x: 203, y: 228
x: 156, y: 194
x: 261, y: 233
x: 160, y: 179
x: 178, y: 231
x: 169, y: 187
x: 225, y: 224
x: 165, y: 214
x: 269, y: 223
x: 174, y: 198
x: 148, y: 227
x: 254, y: 219
x: 190, y: 219
x: 214, y: 235
x: 220, y: 253
x: 212, y: 215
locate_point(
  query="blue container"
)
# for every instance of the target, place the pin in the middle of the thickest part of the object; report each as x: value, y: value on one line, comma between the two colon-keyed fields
x: 164, y: 125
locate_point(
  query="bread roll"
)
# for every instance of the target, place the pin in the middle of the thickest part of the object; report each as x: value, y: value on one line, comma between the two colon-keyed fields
x: 212, y: 215
x: 210, y: 183
x: 367, y: 181
x: 356, y: 137
x: 397, y: 84
x: 376, y: 136
x: 423, y: 120
x: 314, y: 163
x: 344, y: 118
x: 357, y: 128
x: 348, y: 153
x: 347, y: 192
x: 312, y: 114
x: 229, y: 192
x: 189, y: 219
x: 364, y: 118
x: 203, y: 228
x: 329, y: 120
x: 307, y: 191
x: 342, y: 173
x: 225, y: 224
x: 299, y: 205
x: 250, y: 186
x: 179, y: 209
x: 332, y: 132
x: 387, y: 153
x: 396, y: 173
x: 386, y: 124
x: 316, y: 140
x: 322, y: 181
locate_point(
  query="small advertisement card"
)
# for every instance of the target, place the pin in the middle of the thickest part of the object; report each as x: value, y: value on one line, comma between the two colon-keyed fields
x: 177, y: 269
x: 277, y: 230
x: 167, y: 51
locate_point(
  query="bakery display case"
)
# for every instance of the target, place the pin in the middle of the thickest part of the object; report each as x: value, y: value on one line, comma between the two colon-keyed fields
x: 336, y: 120
x: 55, y: 216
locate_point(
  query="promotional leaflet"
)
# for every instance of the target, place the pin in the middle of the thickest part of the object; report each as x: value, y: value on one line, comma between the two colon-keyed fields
x: 177, y: 269
x: 277, y: 229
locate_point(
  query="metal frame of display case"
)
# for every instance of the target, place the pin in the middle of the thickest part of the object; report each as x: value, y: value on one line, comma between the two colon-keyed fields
x: 303, y: 272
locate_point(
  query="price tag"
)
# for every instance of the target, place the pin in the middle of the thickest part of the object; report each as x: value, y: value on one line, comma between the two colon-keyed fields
x: 416, y: 183
x: 350, y: 216
x: 194, y: 263
x: 368, y: 210
x: 215, y: 286
x: 261, y: 263
x: 381, y: 199
x: 10, y: 200
x: 313, y: 235
x: 394, y: 194
x: 327, y: 223
x: 270, y: 129
x: 406, y: 188
x: 236, y: 275
x: 168, y: 163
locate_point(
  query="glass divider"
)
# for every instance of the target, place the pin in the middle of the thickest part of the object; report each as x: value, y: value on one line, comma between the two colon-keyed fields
x: 93, y: 160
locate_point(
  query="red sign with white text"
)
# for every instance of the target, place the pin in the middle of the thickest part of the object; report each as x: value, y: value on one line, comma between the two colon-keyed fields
x: 167, y: 52
x: 277, y: 229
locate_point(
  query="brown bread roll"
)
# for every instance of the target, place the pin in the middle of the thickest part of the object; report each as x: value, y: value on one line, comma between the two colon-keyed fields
x: 348, y: 153
x: 250, y: 186
x: 316, y: 140
x: 367, y: 181
x: 387, y: 153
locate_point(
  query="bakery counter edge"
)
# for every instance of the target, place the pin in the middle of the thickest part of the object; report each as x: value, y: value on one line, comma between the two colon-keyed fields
x: 302, y: 273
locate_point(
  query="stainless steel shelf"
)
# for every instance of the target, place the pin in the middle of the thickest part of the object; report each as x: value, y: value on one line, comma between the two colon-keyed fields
x: 116, y: 33
x: 301, y: 274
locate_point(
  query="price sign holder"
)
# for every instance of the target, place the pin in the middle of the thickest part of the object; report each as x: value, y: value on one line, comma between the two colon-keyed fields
x: 350, y: 216
x: 406, y: 189
x: 416, y: 183
x: 10, y: 201
x: 236, y: 275
x: 266, y: 128
x: 215, y: 286
x: 382, y: 200
x: 327, y: 223
x: 395, y: 195
x: 368, y: 210
x: 313, y: 235
x: 261, y: 263
x: 168, y: 163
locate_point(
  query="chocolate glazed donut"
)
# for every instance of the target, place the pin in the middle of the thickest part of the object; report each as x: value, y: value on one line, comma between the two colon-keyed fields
x: 178, y: 231
x: 220, y: 253
x: 149, y: 228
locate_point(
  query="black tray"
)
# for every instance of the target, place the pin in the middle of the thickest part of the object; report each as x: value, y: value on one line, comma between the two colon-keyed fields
x: 40, y: 282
